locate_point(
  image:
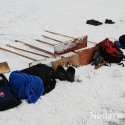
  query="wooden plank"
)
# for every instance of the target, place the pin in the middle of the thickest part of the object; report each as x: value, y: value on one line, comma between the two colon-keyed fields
x: 44, y: 42
x: 43, y: 61
x: 52, y: 39
x: 4, y: 67
x: 86, y: 55
x: 27, y: 51
x: 70, y: 45
x: 17, y: 54
x: 37, y: 48
x: 65, y: 61
x: 92, y: 42
x: 59, y: 34
x: 65, y: 35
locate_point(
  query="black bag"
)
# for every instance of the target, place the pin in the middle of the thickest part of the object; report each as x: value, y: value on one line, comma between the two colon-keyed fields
x: 7, y: 99
x: 45, y: 73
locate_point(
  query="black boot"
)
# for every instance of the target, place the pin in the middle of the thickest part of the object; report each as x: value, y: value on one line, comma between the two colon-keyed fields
x: 70, y: 74
x: 60, y: 73
x: 109, y: 21
x: 93, y: 22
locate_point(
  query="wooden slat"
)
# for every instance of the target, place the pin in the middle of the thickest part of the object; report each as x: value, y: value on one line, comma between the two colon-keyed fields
x: 37, y: 48
x: 44, y: 42
x: 66, y: 35
x: 17, y: 54
x: 27, y: 51
x: 92, y: 42
x: 59, y: 34
x: 52, y: 39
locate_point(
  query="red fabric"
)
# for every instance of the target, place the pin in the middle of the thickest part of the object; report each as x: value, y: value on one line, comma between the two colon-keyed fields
x: 111, y: 50
x: 107, y: 43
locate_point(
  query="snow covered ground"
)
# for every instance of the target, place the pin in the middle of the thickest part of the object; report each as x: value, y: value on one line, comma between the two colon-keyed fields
x: 95, y: 94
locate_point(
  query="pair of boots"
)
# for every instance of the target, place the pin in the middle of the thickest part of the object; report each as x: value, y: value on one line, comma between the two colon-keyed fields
x: 96, y: 22
x: 63, y: 74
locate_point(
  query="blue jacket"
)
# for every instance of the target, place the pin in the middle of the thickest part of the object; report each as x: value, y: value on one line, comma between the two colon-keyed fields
x: 26, y: 86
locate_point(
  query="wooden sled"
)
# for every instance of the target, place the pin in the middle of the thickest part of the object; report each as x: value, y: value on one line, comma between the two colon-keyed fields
x: 76, y: 46
x: 70, y: 45
x: 4, y: 68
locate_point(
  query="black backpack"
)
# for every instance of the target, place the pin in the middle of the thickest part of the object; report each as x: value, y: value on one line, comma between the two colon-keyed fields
x: 7, y: 99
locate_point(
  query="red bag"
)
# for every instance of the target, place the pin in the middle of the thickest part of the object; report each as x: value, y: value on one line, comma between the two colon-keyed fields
x: 110, y: 52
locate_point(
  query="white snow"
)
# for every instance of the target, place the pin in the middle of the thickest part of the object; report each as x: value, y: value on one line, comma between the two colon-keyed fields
x: 94, y: 91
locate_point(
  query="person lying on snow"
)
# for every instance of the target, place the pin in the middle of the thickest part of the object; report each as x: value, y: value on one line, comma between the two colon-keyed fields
x: 37, y: 80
